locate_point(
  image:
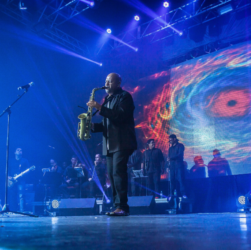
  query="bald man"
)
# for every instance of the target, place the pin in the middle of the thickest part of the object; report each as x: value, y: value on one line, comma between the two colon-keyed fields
x: 119, y: 140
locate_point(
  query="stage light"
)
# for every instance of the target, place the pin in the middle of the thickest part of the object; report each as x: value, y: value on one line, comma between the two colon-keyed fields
x: 55, y: 204
x: 241, y: 200
x: 101, y: 64
x: 136, y: 18
x: 22, y: 6
x: 91, y: 3
x: 225, y: 9
x: 166, y: 4
x: 109, y: 31
x: 136, y: 49
x: 181, y: 33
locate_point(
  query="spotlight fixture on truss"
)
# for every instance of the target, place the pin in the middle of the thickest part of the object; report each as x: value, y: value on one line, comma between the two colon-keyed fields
x: 136, y: 18
x: 22, y: 5
x: 166, y: 4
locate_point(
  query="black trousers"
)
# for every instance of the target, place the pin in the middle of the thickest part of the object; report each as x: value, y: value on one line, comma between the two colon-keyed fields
x: 117, y: 172
x: 177, y: 178
x: 154, y: 183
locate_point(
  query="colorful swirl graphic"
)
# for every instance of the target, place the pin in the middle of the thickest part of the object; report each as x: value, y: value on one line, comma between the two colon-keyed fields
x: 207, y: 104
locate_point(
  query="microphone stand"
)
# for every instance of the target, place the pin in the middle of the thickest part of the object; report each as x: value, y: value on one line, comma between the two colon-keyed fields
x: 6, y: 209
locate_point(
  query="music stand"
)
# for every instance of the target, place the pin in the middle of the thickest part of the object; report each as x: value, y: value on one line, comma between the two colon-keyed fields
x: 6, y: 208
x: 139, y: 175
x: 51, y: 179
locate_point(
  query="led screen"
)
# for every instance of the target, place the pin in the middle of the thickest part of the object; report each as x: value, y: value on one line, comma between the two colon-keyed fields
x: 206, y: 103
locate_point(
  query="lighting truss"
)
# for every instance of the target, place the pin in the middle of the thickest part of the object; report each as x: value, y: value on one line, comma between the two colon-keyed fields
x: 53, y: 12
x: 187, y: 16
x: 50, y: 17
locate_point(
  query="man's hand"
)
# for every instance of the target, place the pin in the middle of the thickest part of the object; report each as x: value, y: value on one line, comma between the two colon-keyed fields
x: 68, y: 181
x: 95, y: 163
x: 94, y: 104
x: 89, y: 179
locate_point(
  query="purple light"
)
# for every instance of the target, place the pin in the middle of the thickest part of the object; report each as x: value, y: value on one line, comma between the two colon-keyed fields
x: 109, y: 31
x: 136, y: 18
x: 166, y: 4
x: 88, y: 2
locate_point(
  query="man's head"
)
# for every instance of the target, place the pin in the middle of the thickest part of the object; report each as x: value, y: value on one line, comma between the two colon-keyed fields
x: 74, y: 160
x: 216, y: 153
x: 98, y: 158
x: 53, y: 163
x: 199, y: 161
x: 173, y: 139
x: 18, y: 153
x: 151, y: 143
x: 113, y: 82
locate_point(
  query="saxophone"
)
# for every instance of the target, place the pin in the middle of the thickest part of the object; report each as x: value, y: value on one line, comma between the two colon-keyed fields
x: 85, y: 124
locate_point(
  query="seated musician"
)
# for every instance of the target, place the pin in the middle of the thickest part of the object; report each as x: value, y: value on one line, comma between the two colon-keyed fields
x: 198, y: 170
x: 55, y: 167
x: 16, y: 193
x: 70, y: 178
x: 97, y: 179
x: 218, y: 166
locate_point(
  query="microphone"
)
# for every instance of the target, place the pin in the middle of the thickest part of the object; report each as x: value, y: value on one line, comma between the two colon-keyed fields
x: 25, y: 86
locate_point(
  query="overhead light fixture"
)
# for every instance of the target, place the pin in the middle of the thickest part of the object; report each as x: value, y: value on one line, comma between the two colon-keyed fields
x: 91, y: 3
x: 22, y: 6
x: 109, y: 31
x: 166, y: 4
x: 136, y: 18
x: 225, y: 9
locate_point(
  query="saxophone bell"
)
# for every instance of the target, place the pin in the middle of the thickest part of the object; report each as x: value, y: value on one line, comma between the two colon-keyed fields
x: 84, y: 126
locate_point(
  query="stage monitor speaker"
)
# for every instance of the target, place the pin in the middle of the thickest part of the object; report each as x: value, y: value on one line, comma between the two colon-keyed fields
x: 141, y: 204
x: 76, y: 207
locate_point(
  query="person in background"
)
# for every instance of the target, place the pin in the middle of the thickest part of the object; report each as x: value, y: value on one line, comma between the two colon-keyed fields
x: 55, y: 167
x: 177, y: 173
x: 218, y: 166
x: 198, y: 170
x: 97, y: 179
x: 70, y: 177
x: 187, y: 171
x: 104, y: 161
x: 153, y: 165
x: 17, y: 192
x: 64, y: 165
x: 134, y: 163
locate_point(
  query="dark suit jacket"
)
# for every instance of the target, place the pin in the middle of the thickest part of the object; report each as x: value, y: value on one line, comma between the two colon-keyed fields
x: 121, y: 123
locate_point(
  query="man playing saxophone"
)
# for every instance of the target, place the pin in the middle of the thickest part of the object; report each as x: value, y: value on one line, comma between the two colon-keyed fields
x: 119, y: 140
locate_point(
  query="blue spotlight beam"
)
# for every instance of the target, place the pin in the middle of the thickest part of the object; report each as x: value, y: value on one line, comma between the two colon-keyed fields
x: 199, y: 15
x: 54, y: 34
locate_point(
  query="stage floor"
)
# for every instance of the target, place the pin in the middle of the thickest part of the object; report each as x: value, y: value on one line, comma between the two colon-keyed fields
x: 194, y: 231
